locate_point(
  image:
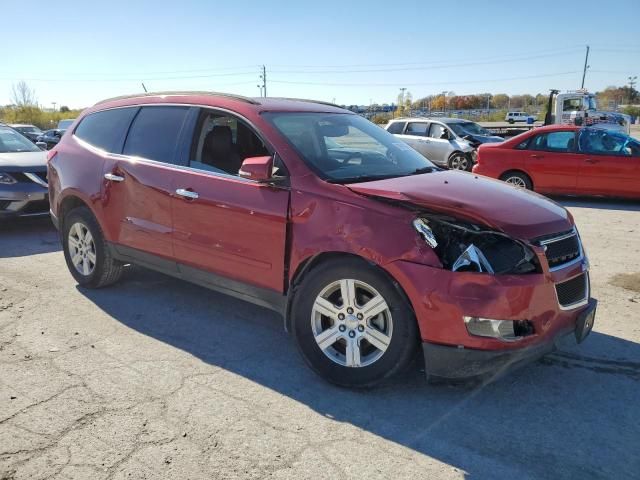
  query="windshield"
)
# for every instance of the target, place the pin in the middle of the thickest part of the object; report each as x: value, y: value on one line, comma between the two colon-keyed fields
x: 467, y: 128
x: 12, y: 141
x: 345, y: 148
x: 62, y: 124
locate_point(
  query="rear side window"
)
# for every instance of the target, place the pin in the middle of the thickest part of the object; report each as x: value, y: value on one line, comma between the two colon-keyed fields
x: 106, y: 129
x: 396, y: 127
x: 155, y: 133
x: 417, y: 128
x: 554, y: 142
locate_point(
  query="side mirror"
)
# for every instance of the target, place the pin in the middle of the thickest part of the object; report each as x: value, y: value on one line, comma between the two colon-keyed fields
x: 41, y: 145
x: 259, y: 169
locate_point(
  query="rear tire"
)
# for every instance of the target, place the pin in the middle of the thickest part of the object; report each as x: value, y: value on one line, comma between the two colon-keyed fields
x: 517, y: 179
x: 88, y: 257
x: 358, y: 342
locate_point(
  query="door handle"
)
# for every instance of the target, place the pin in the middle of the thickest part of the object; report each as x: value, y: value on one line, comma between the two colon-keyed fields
x: 592, y: 160
x: 187, y: 193
x: 113, y: 178
x: 537, y: 156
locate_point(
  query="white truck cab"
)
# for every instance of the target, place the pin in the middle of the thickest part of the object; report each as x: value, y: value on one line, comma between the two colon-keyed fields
x: 579, y: 107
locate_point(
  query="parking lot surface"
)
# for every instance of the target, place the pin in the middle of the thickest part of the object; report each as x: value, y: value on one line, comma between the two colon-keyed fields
x: 156, y: 378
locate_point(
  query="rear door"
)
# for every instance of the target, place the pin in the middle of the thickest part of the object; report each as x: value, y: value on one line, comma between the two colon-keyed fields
x: 610, y: 165
x: 138, y: 183
x: 552, y: 161
x: 224, y: 225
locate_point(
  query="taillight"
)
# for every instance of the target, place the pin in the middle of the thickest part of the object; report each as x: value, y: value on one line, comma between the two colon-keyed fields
x: 51, y: 154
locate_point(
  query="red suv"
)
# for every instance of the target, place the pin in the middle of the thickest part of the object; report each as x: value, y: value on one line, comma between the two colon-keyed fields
x: 366, y: 248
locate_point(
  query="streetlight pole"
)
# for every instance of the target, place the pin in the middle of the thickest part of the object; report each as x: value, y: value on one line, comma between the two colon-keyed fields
x: 632, y: 84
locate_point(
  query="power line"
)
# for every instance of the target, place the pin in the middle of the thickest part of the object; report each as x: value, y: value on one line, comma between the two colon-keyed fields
x: 423, y: 67
x: 448, y: 82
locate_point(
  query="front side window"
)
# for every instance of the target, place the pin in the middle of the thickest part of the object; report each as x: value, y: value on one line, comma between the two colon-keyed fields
x: 222, y: 142
x: 104, y: 130
x: 396, y: 127
x: 11, y: 141
x: 343, y: 148
x: 155, y: 133
x: 417, y: 128
x: 554, y: 142
x: 607, y: 142
x: 436, y: 130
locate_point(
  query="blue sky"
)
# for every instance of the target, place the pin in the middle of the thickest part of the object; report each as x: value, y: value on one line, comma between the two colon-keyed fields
x: 76, y: 53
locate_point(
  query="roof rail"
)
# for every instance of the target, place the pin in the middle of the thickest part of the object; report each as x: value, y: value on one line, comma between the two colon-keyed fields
x: 329, y: 104
x: 153, y: 94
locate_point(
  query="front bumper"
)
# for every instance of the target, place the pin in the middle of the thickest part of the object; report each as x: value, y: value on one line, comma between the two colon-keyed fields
x: 441, y: 298
x: 23, y: 200
x: 464, y: 364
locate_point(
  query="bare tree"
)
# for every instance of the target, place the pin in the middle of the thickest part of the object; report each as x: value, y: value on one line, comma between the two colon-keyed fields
x: 22, y: 95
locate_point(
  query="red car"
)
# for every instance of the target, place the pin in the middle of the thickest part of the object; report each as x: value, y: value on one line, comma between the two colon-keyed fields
x: 566, y: 160
x: 366, y: 248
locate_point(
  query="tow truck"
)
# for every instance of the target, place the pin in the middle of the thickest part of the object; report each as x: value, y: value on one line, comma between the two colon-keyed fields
x: 579, y: 107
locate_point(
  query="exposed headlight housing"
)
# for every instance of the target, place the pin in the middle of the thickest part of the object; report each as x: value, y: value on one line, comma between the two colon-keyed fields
x: 467, y: 247
x: 6, y: 179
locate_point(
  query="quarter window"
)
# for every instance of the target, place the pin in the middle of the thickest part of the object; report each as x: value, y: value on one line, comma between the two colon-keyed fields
x: 106, y: 129
x: 155, y: 133
x: 396, y: 127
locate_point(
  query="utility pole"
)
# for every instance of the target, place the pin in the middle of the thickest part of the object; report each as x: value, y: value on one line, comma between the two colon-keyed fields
x: 264, y: 81
x: 584, y: 72
x: 401, y: 99
x: 632, y: 84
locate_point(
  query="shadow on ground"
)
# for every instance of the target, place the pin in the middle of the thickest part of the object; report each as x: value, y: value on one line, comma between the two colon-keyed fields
x: 572, y: 415
x: 22, y: 237
x: 599, y: 203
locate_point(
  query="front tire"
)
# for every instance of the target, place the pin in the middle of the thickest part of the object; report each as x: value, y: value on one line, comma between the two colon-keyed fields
x: 352, y: 325
x: 459, y: 161
x: 85, y: 250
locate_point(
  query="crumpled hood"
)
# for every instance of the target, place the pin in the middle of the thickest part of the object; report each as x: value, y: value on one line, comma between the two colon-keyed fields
x: 487, y: 138
x: 517, y: 212
x: 23, y: 161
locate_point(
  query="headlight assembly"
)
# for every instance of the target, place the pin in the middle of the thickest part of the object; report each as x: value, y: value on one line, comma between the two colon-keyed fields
x: 465, y: 247
x: 6, y: 179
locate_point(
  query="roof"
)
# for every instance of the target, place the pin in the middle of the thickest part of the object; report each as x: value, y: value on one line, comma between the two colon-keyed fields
x: 432, y: 119
x: 14, y: 125
x: 219, y: 99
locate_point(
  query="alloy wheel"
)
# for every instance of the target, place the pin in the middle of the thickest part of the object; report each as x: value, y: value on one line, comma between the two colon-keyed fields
x: 351, y: 323
x: 82, y: 249
x: 459, y: 162
x: 516, y: 181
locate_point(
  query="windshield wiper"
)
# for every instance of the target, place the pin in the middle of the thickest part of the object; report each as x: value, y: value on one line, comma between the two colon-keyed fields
x: 363, y: 178
x: 421, y: 170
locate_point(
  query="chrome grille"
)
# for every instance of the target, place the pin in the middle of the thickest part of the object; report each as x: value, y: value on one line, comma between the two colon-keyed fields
x: 574, y: 292
x: 561, y: 249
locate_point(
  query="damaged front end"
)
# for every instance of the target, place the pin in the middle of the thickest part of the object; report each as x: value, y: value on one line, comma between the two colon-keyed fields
x: 467, y: 247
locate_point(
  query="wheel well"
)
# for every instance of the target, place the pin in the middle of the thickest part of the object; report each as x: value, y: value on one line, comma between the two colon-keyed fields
x: 68, y: 204
x: 517, y: 171
x: 310, y: 263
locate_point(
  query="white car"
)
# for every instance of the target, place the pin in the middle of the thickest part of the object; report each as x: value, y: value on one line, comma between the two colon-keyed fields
x: 447, y: 142
x: 513, y: 117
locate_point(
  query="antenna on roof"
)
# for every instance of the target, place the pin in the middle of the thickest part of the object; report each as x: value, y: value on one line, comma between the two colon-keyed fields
x: 144, y: 88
